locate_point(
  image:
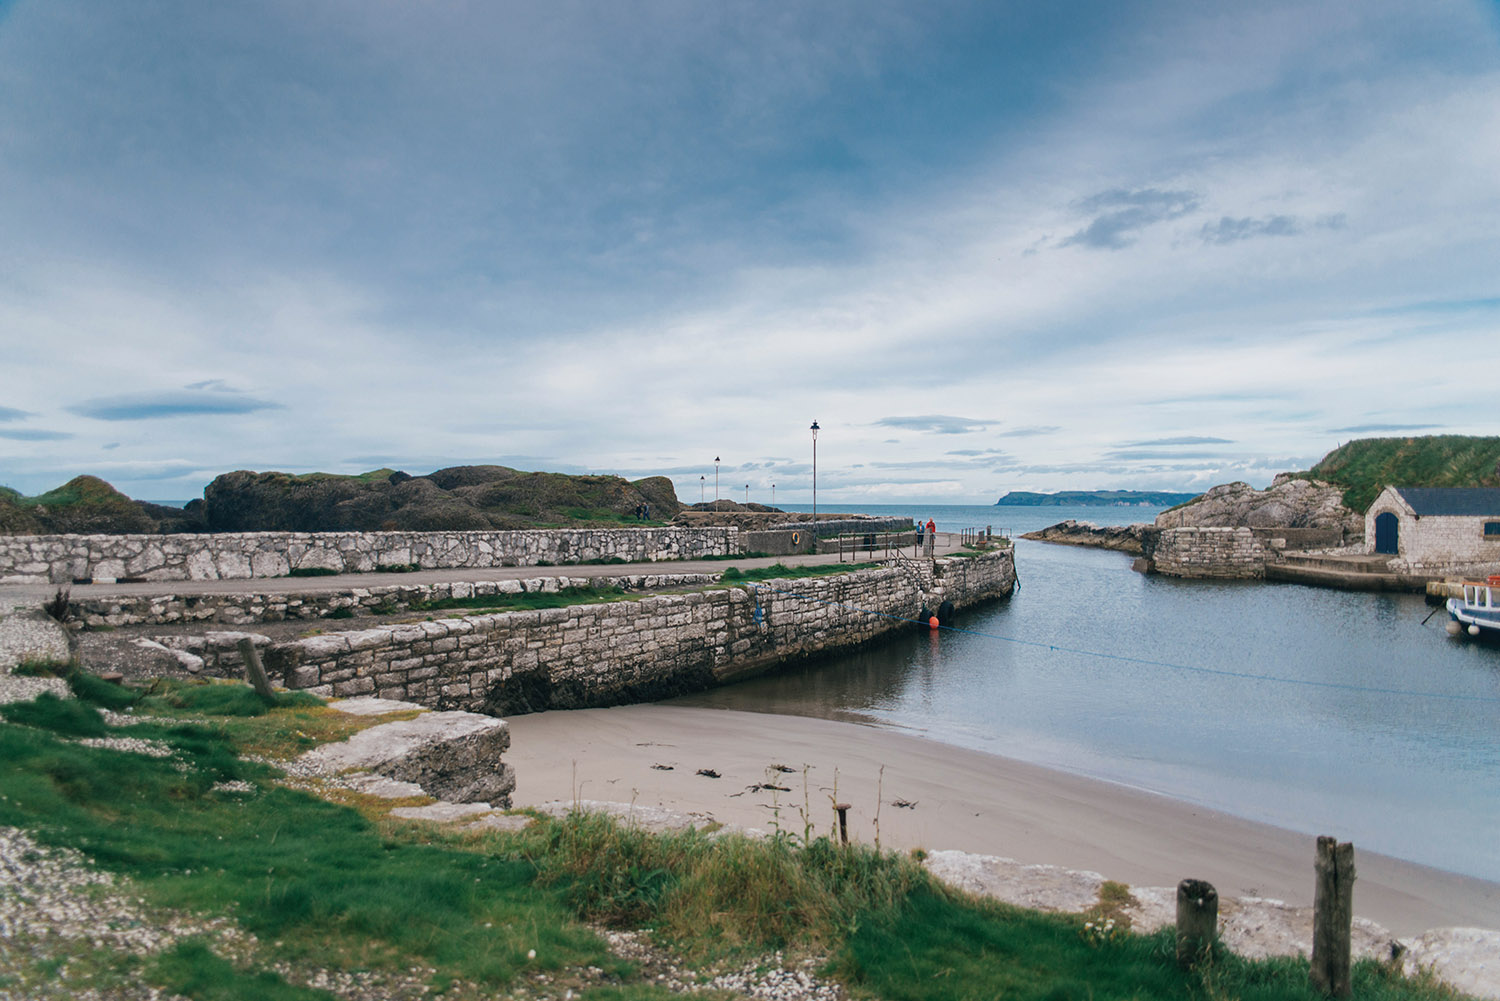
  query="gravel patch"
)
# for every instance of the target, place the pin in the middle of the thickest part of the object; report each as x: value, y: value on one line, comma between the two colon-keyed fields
x: 134, y: 745
x: 774, y: 977
x: 16, y: 688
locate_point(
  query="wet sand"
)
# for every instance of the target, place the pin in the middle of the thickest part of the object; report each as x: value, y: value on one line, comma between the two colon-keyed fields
x: 960, y: 799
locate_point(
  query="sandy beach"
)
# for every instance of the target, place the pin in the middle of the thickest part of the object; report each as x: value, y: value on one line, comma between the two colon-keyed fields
x: 959, y: 799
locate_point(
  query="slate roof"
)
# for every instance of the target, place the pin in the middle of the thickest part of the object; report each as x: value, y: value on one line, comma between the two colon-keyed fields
x: 1463, y: 501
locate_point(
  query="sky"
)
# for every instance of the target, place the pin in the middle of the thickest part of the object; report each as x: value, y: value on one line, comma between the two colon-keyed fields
x: 986, y: 246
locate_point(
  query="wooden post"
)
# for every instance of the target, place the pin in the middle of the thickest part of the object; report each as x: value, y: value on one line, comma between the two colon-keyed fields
x: 254, y: 673
x: 1333, y: 917
x: 1197, y: 920
x: 843, y: 812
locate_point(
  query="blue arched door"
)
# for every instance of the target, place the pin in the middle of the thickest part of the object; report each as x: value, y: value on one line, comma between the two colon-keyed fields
x: 1386, y: 528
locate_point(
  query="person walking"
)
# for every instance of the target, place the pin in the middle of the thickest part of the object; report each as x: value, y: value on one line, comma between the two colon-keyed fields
x: 931, y: 535
x: 919, y: 538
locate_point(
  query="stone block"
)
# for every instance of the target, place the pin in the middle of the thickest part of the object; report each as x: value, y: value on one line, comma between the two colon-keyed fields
x: 455, y: 756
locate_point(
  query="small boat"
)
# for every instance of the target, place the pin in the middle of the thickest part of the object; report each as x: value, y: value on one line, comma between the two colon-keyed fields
x: 1478, y: 611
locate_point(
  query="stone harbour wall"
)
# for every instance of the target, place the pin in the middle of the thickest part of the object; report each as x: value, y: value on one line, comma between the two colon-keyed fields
x: 241, y: 609
x: 1224, y: 553
x: 606, y: 654
x: 61, y: 559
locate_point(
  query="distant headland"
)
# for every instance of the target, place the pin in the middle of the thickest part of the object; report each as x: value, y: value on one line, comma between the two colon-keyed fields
x: 1095, y: 498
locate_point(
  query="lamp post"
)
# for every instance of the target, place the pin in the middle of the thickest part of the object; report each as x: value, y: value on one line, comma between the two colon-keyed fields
x: 747, y: 493
x: 716, y: 482
x: 814, y: 430
x: 773, y: 495
x: 701, y: 481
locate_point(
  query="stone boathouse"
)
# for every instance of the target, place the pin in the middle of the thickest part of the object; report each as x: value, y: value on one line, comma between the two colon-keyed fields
x: 1436, y: 527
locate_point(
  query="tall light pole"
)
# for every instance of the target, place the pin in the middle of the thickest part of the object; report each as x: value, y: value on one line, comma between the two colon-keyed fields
x: 701, y: 481
x: 814, y: 430
x: 773, y: 495
x: 716, y: 482
x: 747, y: 493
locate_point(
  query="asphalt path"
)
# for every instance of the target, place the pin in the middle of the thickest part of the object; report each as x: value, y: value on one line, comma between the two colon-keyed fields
x: 22, y: 595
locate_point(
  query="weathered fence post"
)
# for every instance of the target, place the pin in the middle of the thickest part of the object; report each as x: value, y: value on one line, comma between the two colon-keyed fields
x: 254, y: 673
x: 1197, y: 920
x: 843, y: 811
x: 1333, y: 917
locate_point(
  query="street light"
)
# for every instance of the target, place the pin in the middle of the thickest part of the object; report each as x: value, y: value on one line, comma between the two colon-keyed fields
x: 814, y: 430
x: 773, y: 495
x: 716, y: 482
x: 701, y: 481
x: 747, y: 493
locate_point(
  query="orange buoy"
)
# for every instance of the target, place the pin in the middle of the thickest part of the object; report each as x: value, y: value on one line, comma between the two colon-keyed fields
x: 933, y: 622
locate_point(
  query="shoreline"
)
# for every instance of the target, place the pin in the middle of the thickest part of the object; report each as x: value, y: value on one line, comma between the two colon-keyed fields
x: 961, y: 800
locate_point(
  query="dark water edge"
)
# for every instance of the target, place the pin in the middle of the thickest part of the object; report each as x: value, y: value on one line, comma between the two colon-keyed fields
x: 1321, y: 711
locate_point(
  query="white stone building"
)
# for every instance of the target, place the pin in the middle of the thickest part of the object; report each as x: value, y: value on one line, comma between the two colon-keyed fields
x: 1455, y: 528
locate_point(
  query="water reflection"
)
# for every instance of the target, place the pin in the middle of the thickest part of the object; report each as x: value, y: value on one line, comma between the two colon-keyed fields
x: 1412, y: 776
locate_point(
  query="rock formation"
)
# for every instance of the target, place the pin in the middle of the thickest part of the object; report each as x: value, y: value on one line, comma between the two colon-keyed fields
x: 86, y: 505
x: 460, y: 498
x: 1125, y: 538
x: 1289, y: 502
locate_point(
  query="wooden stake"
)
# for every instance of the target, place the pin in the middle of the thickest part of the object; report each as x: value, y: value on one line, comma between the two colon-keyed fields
x: 1333, y: 917
x: 843, y: 811
x: 1197, y: 920
x: 254, y: 673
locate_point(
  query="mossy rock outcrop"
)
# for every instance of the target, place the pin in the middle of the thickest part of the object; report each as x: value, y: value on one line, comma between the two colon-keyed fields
x: 459, y: 498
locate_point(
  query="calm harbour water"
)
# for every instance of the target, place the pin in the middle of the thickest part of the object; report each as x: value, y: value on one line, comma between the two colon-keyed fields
x: 1413, y: 776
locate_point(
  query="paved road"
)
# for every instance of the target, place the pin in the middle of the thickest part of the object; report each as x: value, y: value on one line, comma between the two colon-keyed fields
x: 31, y: 594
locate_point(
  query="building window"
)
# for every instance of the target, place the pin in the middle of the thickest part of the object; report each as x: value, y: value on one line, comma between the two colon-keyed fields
x: 1492, y: 530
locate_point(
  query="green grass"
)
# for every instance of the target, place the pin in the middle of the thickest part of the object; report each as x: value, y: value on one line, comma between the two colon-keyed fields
x: 323, y: 885
x: 940, y: 947
x: 714, y: 897
x: 42, y: 668
x: 191, y: 968
x: 780, y: 571
x: 206, y: 698
x: 1366, y: 466
x: 318, y: 880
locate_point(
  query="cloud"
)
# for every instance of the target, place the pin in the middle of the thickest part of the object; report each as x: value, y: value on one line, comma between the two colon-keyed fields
x: 12, y: 414
x: 1228, y: 230
x: 1123, y: 213
x: 935, y: 424
x: 1031, y: 431
x: 1184, y: 440
x: 1133, y: 454
x: 185, y: 402
x: 1371, y: 428
x: 975, y: 451
x: 35, y: 435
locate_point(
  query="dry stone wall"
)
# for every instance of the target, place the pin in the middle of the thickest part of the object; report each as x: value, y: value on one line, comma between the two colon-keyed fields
x: 60, y: 559
x: 241, y: 609
x: 604, y: 654
x: 1225, y: 553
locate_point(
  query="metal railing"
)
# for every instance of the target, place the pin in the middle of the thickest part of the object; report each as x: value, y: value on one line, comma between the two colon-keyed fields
x: 873, y: 544
x: 979, y: 538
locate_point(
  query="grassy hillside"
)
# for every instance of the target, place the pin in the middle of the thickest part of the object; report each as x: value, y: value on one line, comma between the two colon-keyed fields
x: 1366, y: 466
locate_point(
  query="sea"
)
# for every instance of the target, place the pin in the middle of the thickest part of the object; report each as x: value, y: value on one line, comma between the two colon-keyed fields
x: 1322, y: 711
